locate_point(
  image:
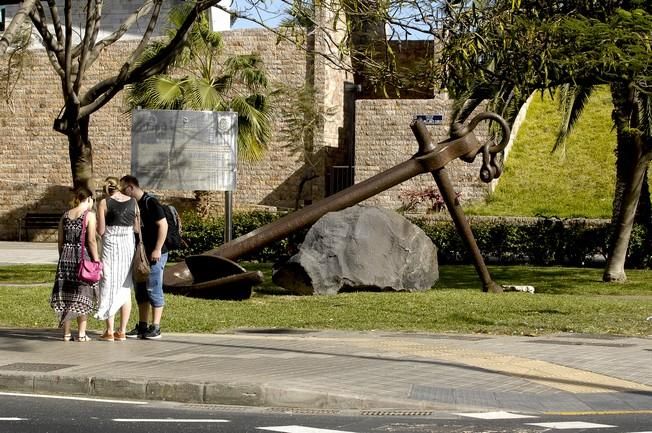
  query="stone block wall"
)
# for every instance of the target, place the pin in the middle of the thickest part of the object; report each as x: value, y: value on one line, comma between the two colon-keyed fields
x: 35, y: 168
x: 384, y: 139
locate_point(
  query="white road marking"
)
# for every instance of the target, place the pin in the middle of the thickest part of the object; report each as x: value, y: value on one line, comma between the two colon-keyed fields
x: 495, y: 415
x: 300, y: 429
x: 570, y: 425
x: 13, y: 419
x: 62, y: 397
x: 175, y: 420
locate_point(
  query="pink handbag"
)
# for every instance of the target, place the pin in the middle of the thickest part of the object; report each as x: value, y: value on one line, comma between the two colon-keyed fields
x: 89, y: 271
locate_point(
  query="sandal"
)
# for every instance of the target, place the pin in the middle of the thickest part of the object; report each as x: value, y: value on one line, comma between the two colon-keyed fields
x: 67, y: 337
x: 107, y: 336
x: 84, y: 338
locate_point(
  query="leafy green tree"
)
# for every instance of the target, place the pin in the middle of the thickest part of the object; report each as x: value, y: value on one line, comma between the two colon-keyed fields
x: 503, y: 52
x: 199, y: 80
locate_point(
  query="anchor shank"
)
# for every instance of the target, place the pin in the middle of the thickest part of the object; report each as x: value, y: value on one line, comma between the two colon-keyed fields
x: 464, y: 229
x: 310, y: 214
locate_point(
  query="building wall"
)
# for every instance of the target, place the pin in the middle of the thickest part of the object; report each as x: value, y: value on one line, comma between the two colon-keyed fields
x: 35, y: 169
x: 384, y: 139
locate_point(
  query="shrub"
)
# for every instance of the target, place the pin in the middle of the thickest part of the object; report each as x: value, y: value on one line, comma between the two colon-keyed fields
x: 544, y: 241
x: 412, y: 199
x: 203, y: 234
x: 540, y: 241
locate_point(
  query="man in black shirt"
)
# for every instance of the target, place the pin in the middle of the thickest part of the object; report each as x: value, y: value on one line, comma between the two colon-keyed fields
x: 154, y: 231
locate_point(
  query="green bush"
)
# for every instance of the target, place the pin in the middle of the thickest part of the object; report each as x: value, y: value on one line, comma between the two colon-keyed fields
x: 546, y: 241
x: 203, y: 234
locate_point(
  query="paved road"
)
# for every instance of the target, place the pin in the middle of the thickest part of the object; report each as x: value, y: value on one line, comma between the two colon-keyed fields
x: 30, y: 413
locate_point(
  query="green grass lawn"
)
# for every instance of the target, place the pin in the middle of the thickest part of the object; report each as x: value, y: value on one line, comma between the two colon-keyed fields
x: 567, y: 300
x: 576, y: 183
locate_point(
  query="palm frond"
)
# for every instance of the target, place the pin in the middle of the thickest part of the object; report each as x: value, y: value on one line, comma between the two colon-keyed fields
x: 645, y: 113
x: 254, y: 125
x: 223, y: 83
x: 247, y: 68
x: 157, y: 92
x: 209, y: 96
x: 572, y: 101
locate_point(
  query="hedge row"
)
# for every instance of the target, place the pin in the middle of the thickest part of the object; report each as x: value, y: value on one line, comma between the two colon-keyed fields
x: 541, y: 241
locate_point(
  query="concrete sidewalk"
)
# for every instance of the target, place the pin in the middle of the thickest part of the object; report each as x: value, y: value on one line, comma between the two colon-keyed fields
x: 341, y: 370
x: 334, y: 370
x: 14, y: 253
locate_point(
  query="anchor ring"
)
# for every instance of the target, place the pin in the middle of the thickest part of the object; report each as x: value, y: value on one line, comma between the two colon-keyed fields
x: 496, y: 118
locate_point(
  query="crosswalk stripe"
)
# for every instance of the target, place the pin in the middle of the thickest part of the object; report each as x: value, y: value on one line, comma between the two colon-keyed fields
x: 566, y: 425
x: 66, y: 397
x: 300, y: 429
x: 494, y: 415
x: 13, y: 419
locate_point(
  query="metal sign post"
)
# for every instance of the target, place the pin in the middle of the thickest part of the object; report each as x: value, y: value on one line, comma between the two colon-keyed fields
x: 228, y: 216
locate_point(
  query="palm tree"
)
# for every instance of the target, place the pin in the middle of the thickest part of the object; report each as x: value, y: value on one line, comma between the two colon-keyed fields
x: 632, y: 120
x: 518, y: 50
x: 200, y: 81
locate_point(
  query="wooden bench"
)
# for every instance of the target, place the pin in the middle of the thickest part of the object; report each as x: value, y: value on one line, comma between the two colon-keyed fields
x: 38, y: 221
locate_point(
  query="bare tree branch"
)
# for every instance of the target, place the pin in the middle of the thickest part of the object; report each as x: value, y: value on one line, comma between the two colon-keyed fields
x: 135, y: 55
x: 54, y: 53
x: 56, y: 21
x: 124, y: 27
x: 69, y: 94
x: 14, y: 26
x: 91, y: 10
x: 102, y: 92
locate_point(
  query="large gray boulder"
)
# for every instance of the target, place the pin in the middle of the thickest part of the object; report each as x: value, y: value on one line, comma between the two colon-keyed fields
x: 361, y: 248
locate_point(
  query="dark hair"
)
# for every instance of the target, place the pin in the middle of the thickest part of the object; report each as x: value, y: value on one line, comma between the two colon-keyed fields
x: 129, y: 180
x: 82, y: 193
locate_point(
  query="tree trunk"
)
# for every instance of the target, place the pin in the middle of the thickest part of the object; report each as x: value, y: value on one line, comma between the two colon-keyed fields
x: 631, y: 166
x: 81, y: 154
x: 644, y: 209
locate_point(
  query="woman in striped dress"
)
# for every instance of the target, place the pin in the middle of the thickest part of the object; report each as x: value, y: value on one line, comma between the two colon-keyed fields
x: 116, y: 215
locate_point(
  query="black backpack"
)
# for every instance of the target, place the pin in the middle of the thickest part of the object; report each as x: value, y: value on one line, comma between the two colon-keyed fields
x: 173, y: 239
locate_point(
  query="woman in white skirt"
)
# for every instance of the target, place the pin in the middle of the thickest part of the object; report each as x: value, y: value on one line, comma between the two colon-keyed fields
x: 116, y: 216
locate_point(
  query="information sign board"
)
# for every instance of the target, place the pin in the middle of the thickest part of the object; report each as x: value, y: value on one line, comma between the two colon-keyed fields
x: 184, y: 150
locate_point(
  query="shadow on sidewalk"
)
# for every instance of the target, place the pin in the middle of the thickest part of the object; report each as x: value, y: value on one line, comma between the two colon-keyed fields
x: 39, y: 334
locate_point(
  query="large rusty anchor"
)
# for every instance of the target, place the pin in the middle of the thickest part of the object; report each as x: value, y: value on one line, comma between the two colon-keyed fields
x: 215, y: 275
